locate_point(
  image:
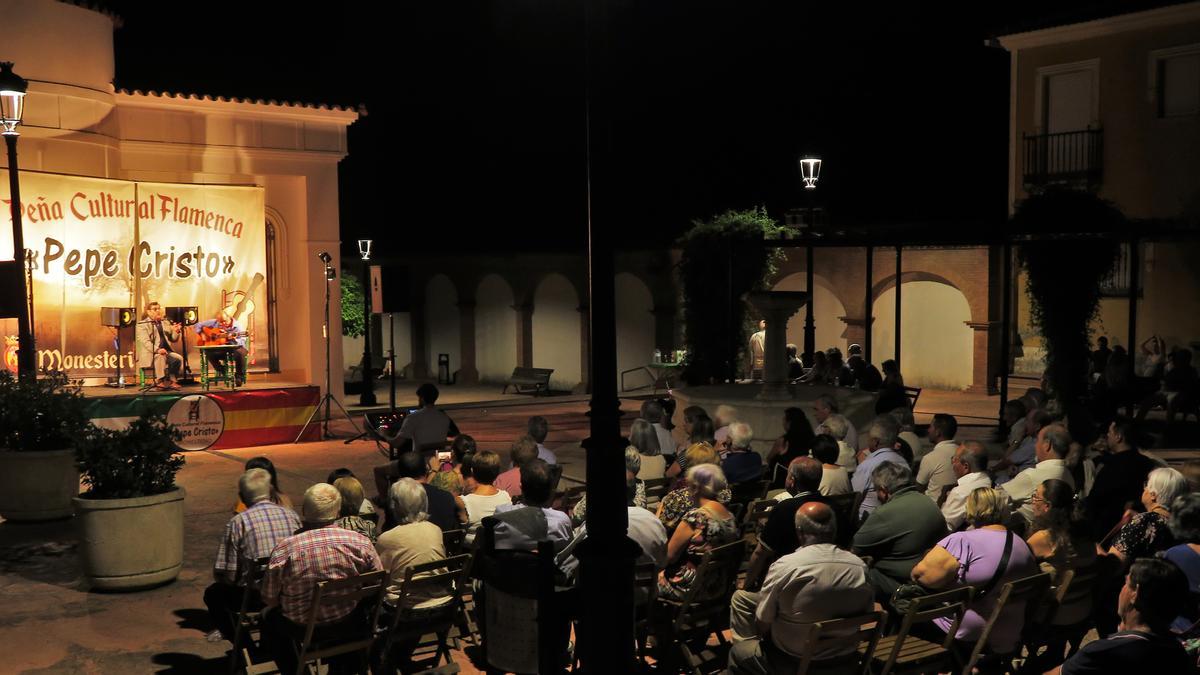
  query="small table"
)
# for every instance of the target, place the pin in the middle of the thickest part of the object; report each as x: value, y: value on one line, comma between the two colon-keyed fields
x: 662, y: 372
x: 226, y: 375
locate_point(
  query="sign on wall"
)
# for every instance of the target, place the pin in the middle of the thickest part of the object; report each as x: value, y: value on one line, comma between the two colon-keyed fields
x: 110, y: 243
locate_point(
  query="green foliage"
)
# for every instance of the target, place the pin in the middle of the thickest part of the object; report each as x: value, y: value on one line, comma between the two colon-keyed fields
x: 723, y: 259
x: 353, y: 323
x: 138, y: 461
x: 1064, y: 277
x: 45, y: 414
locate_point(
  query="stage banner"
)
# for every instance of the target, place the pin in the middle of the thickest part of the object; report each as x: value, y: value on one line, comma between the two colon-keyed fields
x: 191, y: 245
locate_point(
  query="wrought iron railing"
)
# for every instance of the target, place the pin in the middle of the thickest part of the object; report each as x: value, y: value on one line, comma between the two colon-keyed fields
x: 1064, y: 157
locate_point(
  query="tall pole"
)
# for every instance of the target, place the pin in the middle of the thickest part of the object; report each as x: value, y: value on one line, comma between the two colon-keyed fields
x: 26, y: 350
x: 868, y: 304
x: 897, y: 317
x: 810, y: 329
x: 1005, y: 327
x: 606, y: 557
x: 1135, y: 270
x: 367, y: 398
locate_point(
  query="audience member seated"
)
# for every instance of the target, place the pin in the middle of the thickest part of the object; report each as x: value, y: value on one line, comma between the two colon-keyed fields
x: 1153, y: 595
x: 1014, y: 420
x: 985, y: 557
x: 795, y: 442
x: 722, y: 418
x: 838, y: 426
x: 892, y: 395
x: 1179, y: 387
x: 970, y: 458
x: 795, y: 367
x: 835, y: 480
x: 676, y: 503
x: 936, y: 470
x: 701, y: 529
x: 1053, y: 444
x: 652, y: 412
x: 899, y: 532
x: 521, y: 527
x: 644, y: 439
x: 881, y: 441
x: 538, y: 429
x: 778, y: 535
x: 523, y: 451
x: 352, y: 495
x: 817, y: 582
x: 702, y: 434
x: 250, y: 535
x: 460, y: 447
x: 1120, y: 477
x: 819, y: 372
x: 839, y: 372
x: 1023, y: 455
x: 423, y: 428
x: 483, y: 500
x: 635, y: 486
x: 277, y: 495
x: 866, y: 376
x: 826, y: 405
x: 1061, y: 541
x: 443, y: 509
x: 645, y: 530
x: 1185, y: 527
x: 367, y: 509
x: 414, y: 540
x: 320, y: 552
x: 741, y: 464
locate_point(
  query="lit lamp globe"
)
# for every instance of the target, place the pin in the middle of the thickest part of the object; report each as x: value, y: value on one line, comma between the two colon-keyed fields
x: 364, y: 248
x: 810, y: 171
x: 12, y: 98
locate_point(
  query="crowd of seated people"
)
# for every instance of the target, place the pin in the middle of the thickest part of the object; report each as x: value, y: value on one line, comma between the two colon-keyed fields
x: 899, y: 518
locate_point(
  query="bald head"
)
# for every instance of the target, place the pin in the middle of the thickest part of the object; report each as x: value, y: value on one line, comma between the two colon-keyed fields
x: 815, y: 524
x: 804, y: 475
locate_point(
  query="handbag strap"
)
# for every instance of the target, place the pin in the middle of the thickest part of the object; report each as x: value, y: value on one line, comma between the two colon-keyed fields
x: 1000, y: 569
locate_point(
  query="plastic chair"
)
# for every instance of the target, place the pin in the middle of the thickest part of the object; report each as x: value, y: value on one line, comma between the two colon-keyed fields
x: 411, y: 623
x: 1030, y: 590
x: 365, y: 589
x: 855, y: 635
x: 905, y: 653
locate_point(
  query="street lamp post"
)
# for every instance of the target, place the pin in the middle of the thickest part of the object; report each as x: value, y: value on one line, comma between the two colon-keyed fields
x: 367, y: 398
x: 810, y: 172
x: 12, y: 106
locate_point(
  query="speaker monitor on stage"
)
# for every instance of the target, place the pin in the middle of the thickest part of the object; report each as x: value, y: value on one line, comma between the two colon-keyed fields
x: 187, y: 316
x: 117, y: 317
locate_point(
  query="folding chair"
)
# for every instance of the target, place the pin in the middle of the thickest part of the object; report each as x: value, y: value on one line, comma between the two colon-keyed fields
x: 1057, y: 627
x: 704, y: 609
x: 656, y: 489
x: 1030, y: 590
x: 452, y: 540
x: 365, y: 589
x: 411, y: 622
x: 905, y: 653
x: 248, y: 619
x: 855, y: 635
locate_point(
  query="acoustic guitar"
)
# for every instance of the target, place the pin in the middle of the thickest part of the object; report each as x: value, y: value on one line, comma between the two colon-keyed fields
x: 211, y: 336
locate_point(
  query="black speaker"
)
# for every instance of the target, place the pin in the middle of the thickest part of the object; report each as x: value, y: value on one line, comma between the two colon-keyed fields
x: 117, y: 317
x: 188, y: 316
x: 394, y: 288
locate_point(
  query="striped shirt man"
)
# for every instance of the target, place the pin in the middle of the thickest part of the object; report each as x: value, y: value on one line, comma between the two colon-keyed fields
x: 300, y: 562
x: 253, y: 534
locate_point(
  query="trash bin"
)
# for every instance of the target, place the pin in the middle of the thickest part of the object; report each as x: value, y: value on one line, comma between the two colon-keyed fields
x: 443, y: 369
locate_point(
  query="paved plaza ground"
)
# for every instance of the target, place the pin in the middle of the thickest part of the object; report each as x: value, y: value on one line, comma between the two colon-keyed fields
x: 52, y: 623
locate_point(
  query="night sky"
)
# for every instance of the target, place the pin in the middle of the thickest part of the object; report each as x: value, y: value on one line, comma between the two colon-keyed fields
x: 475, y: 132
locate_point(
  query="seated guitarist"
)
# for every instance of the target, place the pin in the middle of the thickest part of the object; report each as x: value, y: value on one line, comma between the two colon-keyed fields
x: 224, y: 330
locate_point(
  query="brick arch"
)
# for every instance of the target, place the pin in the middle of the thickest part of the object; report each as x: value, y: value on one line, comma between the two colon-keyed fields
x: 978, y: 312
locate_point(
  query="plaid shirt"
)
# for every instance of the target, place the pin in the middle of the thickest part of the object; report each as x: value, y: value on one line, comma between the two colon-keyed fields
x: 253, y: 534
x: 298, y: 563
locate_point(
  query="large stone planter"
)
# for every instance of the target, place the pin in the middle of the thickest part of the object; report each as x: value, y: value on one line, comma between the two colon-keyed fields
x: 37, y: 485
x: 129, y: 544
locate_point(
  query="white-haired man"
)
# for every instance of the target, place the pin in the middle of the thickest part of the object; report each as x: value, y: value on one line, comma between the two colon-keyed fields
x: 881, y: 447
x: 320, y: 552
x: 250, y: 535
x: 839, y: 427
x: 741, y: 464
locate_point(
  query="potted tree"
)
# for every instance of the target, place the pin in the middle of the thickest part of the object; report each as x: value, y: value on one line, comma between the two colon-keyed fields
x: 130, y: 518
x: 40, y: 422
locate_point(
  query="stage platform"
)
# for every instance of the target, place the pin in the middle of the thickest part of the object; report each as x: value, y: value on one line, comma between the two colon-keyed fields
x: 265, y: 411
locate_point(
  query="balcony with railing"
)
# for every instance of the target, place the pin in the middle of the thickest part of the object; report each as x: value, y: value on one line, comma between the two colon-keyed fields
x: 1064, y: 158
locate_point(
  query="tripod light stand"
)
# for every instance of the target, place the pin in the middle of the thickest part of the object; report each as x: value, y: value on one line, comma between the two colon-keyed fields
x: 327, y: 400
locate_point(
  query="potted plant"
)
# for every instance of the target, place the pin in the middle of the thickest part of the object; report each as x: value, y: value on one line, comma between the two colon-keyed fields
x: 130, y: 518
x: 40, y: 422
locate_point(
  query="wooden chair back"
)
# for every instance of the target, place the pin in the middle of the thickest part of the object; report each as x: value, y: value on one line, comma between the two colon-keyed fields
x: 570, y: 497
x: 452, y: 541
x: 656, y: 489
x: 363, y: 590
x: 447, y: 577
x: 1030, y: 590
x: 1078, y: 587
x: 912, y: 393
x: 951, y: 604
x: 855, y: 635
x: 704, y: 609
x: 247, y: 619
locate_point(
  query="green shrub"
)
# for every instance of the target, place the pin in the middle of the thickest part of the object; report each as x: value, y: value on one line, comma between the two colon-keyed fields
x: 138, y: 461
x: 44, y: 414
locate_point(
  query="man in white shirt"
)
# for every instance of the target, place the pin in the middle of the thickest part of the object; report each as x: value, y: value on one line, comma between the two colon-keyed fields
x: 970, y: 464
x: 817, y: 582
x: 1053, y: 443
x: 538, y: 429
x: 645, y: 529
x: 936, y: 470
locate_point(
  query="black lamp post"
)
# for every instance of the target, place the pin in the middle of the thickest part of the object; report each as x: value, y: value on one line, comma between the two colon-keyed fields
x: 12, y: 106
x: 810, y: 172
x: 368, y: 386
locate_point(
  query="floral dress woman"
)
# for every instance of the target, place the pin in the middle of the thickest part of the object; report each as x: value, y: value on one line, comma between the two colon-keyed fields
x: 708, y: 531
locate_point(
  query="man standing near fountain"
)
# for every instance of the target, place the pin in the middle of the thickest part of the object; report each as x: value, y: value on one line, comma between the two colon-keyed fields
x: 758, y: 342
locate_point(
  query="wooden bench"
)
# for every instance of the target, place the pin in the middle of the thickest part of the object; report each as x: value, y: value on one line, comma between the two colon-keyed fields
x: 523, y: 378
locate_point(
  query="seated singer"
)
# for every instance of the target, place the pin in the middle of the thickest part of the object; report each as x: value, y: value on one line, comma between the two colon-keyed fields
x: 224, y: 330
x: 154, y: 337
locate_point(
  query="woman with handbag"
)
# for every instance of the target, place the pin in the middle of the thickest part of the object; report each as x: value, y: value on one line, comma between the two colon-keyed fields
x: 985, y: 557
